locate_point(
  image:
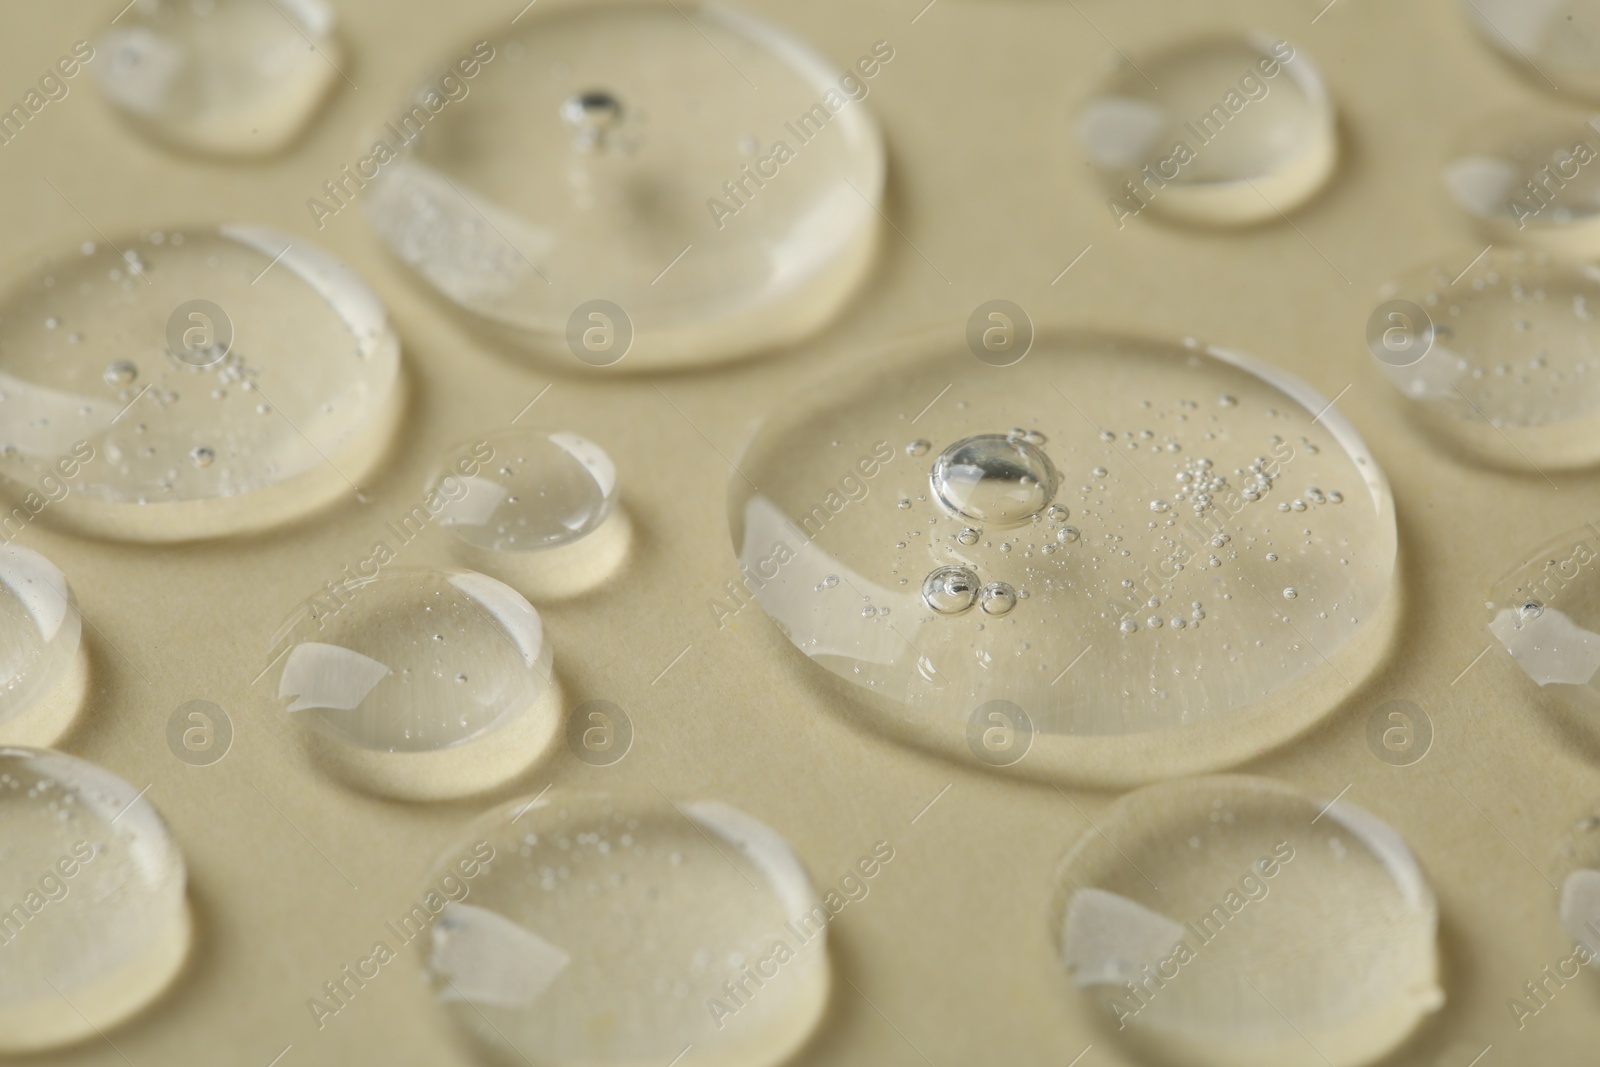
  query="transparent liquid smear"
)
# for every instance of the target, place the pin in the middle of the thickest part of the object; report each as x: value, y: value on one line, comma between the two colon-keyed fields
x: 630, y: 931
x: 1232, y: 922
x: 1530, y: 178
x: 520, y: 202
x: 220, y: 77
x: 39, y: 630
x: 1511, y: 374
x: 1554, y: 43
x: 1212, y: 574
x: 1220, y: 130
x: 290, y: 388
x: 93, y: 888
x: 416, y: 662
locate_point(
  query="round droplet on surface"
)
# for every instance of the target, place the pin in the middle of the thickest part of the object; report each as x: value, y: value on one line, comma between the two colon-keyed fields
x: 610, y: 930
x: 1238, y: 922
x: 1530, y: 179
x: 309, y: 340
x: 121, y: 372
x: 224, y: 77
x: 1240, y: 129
x: 995, y: 479
x: 536, y: 508
x: 1511, y: 376
x: 42, y: 666
x: 1555, y: 44
x: 98, y: 922
x: 950, y: 590
x: 1258, y: 671
x: 372, y: 675
x: 710, y: 252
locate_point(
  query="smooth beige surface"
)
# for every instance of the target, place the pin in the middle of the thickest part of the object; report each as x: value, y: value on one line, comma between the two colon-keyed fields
x: 950, y: 959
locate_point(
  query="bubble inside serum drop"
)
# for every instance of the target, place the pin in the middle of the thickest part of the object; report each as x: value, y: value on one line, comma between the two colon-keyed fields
x: 83, y: 957
x: 619, y: 930
x: 997, y: 479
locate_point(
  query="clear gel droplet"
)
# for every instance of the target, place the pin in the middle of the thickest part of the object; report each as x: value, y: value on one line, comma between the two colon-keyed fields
x: 537, y: 508
x: 1229, y: 921
x: 1554, y: 43
x: 616, y: 172
x: 40, y: 632
x: 225, y: 77
x: 371, y: 669
x: 1240, y: 129
x: 1215, y: 692
x: 97, y: 924
x: 1530, y: 177
x: 607, y: 930
x: 1509, y: 372
x: 220, y: 320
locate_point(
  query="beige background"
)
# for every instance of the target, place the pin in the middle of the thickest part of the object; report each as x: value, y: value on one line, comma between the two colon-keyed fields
x: 952, y: 947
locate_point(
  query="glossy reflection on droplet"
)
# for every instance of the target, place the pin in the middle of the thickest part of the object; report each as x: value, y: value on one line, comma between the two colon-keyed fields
x: 950, y: 590
x: 536, y: 508
x: 1187, y: 653
x: 223, y: 77
x: 604, y: 930
x: 629, y: 179
x: 1531, y: 178
x: 1510, y: 374
x: 199, y: 383
x: 1545, y: 614
x: 1240, y: 129
x: 97, y: 924
x: 1238, y: 922
x: 420, y: 683
x: 1554, y: 43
